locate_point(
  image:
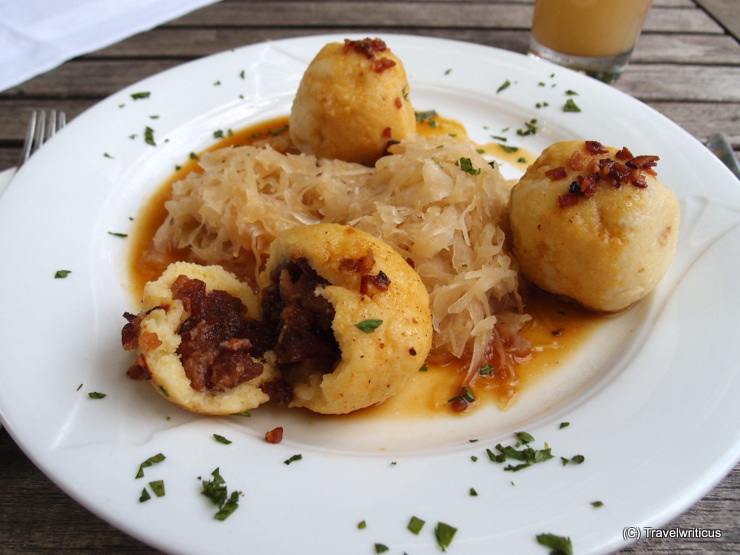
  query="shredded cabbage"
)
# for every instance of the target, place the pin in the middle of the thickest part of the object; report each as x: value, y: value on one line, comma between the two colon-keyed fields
x: 437, y: 201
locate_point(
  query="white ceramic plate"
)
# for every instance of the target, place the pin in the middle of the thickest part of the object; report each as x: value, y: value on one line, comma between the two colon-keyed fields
x: 651, y: 401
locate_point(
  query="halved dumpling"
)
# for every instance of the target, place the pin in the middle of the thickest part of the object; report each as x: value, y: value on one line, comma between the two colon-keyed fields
x: 352, y: 317
x: 199, y: 342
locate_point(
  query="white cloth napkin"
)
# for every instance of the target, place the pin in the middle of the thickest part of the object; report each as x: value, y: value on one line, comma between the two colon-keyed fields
x: 38, y: 35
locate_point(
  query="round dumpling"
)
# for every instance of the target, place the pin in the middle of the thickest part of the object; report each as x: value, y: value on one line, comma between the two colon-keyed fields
x: 353, y: 99
x: 352, y: 315
x: 593, y: 223
x: 199, y: 343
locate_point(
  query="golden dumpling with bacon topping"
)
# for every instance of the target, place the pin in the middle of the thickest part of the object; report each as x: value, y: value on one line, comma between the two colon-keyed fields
x: 199, y: 342
x: 593, y: 223
x: 352, y: 317
x: 352, y: 101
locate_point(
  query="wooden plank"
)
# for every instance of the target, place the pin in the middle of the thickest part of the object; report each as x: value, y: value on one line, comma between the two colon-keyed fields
x: 703, y: 119
x: 287, y: 14
x: 176, y: 42
x: 681, y: 82
x: 724, y: 12
x: 89, y: 79
x: 687, y: 49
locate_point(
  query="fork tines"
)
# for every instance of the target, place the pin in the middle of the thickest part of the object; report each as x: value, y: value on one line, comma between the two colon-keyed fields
x: 42, y: 126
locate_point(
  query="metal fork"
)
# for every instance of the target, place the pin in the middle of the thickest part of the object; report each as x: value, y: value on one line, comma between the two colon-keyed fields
x: 42, y: 126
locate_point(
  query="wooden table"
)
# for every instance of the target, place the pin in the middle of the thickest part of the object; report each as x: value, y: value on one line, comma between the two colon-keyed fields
x: 686, y: 65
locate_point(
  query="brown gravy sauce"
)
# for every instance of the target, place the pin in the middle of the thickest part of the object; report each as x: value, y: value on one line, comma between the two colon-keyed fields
x: 556, y: 330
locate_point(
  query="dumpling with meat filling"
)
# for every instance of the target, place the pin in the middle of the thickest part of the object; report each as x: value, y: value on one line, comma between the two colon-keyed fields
x: 353, y: 99
x: 199, y: 342
x: 593, y: 223
x: 352, y: 316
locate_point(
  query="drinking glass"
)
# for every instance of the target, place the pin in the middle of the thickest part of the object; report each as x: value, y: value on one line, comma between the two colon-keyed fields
x: 595, y: 37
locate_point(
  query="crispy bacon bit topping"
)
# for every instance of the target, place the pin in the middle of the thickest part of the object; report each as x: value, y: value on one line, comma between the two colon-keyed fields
x: 605, y: 170
x: 639, y: 182
x: 369, y: 48
x: 576, y: 161
x: 139, y: 370
x: 379, y: 65
x: 379, y: 282
x: 556, y: 174
x: 643, y: 162
x: 386, y: 134
x: 595, y: 147
x: 398, y: 102
x: 361, y: 265
x: 568, y: 199
x: 624, y: 154
x: 275, y: 435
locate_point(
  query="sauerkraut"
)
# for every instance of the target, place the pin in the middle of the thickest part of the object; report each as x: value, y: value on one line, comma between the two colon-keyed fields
x: 437, y: 201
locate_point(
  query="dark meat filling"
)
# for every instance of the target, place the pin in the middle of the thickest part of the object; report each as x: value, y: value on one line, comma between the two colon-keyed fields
x: 218, y: 339
x: 302, y: 318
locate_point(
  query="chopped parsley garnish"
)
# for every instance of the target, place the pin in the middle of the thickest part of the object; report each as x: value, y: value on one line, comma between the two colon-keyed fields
x: 144, y: 496
x: 415, y: 525
x: 466, y: 395
x: 524, y: 437
x: 505, y: 85
x: 560, y: 545
x: 96, y: 395
x: 597, y: 504
x: 424, y: 368
x: 466, y: 165
x: 444, y: 534
x: 141, y: 95
x: 571, y: 106
x: 424, y: 116
x: 526, y: 455
x: 217, y: 492
x: 293, y: 459
x: 149, y: 462
x: 530, y: 128
x: 361, y: 525
x: 221, y: 439
x: 508, y: 148
x: 106, y: 155
x: 380, y: 548
x: 157, y: 487
x: 522, y: 160
x: 570, y: 92
x: 473, y: 493
x: 564, y: 425
x: 577, y: 459
x: 218, y: 134
x: 117, y: 234
x: 369, y: 326
x: 149, y: 136
x: 245, y: 414
x: 61, y: 274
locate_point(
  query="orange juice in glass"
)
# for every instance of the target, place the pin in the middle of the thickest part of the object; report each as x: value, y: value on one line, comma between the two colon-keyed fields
x: 592, y: 36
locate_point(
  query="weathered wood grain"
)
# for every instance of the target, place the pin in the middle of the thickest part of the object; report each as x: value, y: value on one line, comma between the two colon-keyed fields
x: 286, y: 14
